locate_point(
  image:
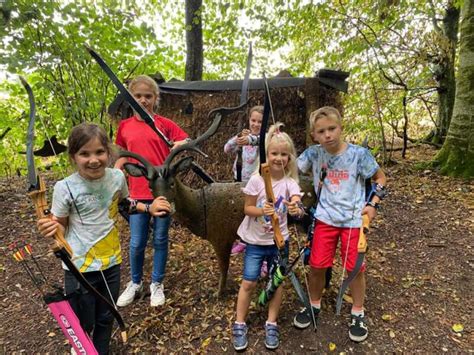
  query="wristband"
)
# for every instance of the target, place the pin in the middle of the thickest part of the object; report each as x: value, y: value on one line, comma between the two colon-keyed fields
x: 147, y: 208
x: 373, y: 204
x: 133, y: 206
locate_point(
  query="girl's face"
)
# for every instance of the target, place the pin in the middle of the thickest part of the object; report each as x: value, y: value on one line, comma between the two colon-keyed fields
x: 144, y: 94
x: 327, y: 131
x: 255, y: 122
x: 91, y: 160
x: 278, y: 156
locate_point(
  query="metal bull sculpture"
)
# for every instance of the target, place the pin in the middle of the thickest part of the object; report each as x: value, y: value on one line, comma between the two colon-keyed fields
x: 213, y: 212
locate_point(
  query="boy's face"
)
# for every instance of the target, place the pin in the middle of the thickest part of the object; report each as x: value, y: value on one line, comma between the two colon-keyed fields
x: 327, y: 131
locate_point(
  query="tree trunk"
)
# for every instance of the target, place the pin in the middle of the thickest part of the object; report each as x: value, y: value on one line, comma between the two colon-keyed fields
x: 445, y: 74
x: 456, y: 157
x: 194, y: 55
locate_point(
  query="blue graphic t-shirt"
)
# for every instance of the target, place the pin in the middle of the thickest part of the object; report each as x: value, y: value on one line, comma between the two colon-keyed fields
x: 343, y: 191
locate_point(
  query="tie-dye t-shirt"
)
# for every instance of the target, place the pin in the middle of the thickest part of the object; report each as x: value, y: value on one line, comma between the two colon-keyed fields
x: 343, y: 191
x: 91, y: 233
x: 258, y: 230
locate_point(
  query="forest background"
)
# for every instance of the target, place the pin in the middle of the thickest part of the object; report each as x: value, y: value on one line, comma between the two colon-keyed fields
x: 402, y: 57
x: 411, y: 92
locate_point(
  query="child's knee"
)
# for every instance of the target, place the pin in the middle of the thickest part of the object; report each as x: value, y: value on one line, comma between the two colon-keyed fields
x: 248, y: 286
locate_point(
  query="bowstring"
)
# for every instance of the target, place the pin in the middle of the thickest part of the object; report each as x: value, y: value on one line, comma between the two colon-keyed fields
x: 77, y: 211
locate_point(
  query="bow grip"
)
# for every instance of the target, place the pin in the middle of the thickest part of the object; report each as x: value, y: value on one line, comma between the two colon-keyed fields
x: 362, y: 244
x: 267, y: 178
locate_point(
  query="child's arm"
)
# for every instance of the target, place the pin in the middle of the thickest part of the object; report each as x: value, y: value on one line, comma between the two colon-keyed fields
x: 371, y: 208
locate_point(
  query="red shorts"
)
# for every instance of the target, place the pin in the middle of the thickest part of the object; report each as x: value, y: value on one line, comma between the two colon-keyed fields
x: 325, y: 239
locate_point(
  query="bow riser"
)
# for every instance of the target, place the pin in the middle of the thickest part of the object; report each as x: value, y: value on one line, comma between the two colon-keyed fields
x: 42, y: 211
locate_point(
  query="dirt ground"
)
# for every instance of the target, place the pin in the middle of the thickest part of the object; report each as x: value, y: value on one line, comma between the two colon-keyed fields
x: 419, y: 278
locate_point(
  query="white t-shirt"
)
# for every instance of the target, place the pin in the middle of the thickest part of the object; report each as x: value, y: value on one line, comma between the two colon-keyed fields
x: 258, y: 230
x: 91, y: 233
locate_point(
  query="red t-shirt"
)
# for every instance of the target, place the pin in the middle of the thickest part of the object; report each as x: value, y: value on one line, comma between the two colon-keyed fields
x: 136, y: 136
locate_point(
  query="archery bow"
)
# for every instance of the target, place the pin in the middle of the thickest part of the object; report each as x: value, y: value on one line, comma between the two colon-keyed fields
x: 147, y: 118
x: 243, y: 99
x: 37, y: 192
x: 361, y: 250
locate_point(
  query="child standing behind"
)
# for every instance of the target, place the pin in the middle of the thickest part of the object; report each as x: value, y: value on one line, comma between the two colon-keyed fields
x: 245, y: 144
x: 339, y: 212
x: 256, y: 230
x: 136, y: 136
x: 84, y: 208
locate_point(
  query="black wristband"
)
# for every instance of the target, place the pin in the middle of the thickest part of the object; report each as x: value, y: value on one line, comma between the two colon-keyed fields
x: 373, y: 204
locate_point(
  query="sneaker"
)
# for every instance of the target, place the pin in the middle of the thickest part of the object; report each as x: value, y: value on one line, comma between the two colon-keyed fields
x: 157, y: 297
x: 239, y: 335
x: 272, y: 336
x: 237, y: 248
x: 129, y: 294
x: 304, y: 318
x: 358, y: 328
x: 264, y: 269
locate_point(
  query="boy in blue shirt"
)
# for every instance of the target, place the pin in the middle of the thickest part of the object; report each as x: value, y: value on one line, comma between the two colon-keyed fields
x: 339, y: 211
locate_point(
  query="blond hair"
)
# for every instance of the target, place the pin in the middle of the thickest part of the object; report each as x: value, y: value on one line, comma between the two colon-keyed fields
x: 275, y: 135
x: 145, y: 79
x: 322, y: 112
x: 258, y: 109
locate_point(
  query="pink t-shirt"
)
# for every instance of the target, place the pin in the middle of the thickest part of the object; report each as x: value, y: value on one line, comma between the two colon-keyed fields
x: 136, y: 136
x: 258, y: 230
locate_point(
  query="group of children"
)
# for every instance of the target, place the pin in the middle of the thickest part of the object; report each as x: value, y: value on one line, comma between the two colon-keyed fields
x: 85, y: 207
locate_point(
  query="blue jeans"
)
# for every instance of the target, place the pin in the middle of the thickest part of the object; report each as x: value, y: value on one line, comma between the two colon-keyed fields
x: 139, y: 227
x: 254, y: 257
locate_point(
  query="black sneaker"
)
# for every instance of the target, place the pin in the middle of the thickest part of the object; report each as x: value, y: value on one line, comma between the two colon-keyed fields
x: 304, y: 318
x: 358, y: 329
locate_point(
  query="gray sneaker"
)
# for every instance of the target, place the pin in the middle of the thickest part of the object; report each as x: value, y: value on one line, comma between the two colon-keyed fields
x: 129, y: 294
x: 272, y: 336
x: 239, y: 336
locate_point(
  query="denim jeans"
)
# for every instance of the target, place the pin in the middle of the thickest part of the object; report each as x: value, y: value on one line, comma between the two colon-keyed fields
x: 254, y: 257
x: 139, y: 227
x: 93, y: 314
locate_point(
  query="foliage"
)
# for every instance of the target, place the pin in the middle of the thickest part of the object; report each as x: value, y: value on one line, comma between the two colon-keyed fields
x: 390, y: 48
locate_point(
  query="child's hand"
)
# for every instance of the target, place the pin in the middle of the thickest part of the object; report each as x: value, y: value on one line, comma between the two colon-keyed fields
x: 294, y: 208
x: 268, y: 209
x: 370, y: 211
x: 160, y: 207
x: 243, y: 137
x: 48, y: 227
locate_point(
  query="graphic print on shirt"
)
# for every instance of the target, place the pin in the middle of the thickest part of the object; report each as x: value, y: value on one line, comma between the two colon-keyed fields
x: 335, y: 176
x: 107, y: 250
x: 266, y: 221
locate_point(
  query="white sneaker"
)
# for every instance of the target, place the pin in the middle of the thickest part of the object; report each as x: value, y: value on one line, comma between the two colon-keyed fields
x: 157, y: 297
x: 129, y: 294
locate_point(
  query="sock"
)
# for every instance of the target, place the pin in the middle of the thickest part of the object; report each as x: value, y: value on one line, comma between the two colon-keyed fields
x: 357, y: 311
x: 270, y: 323
x: 316, y: 304
x: 239, y: 323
